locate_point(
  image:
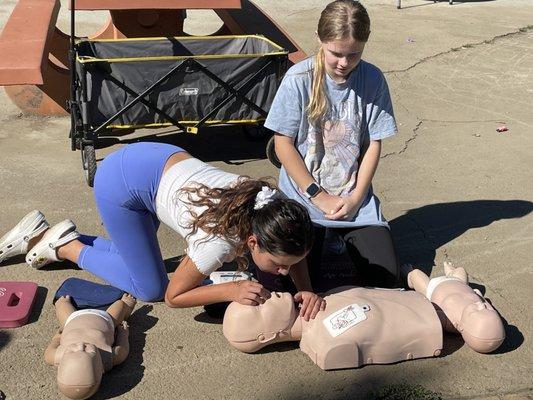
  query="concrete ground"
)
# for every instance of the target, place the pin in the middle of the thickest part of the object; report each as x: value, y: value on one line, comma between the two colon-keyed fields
x: 451, y: 186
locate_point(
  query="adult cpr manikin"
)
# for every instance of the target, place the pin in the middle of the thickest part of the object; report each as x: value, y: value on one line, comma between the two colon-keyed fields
x: 90, y: 343
x: 461, y: 309
x: 359, y: 326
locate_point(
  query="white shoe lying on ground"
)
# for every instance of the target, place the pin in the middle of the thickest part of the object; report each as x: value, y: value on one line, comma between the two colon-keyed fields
x: 44, y: 252
x: 16, y: 241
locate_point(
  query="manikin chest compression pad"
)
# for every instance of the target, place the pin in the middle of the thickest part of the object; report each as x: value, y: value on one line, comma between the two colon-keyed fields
x: 86, y: 294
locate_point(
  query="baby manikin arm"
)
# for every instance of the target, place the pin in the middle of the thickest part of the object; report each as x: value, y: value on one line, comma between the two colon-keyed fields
x: 459, y: 273
x: 50, y: 352
x: 122, y: 346
x: 418, y: 281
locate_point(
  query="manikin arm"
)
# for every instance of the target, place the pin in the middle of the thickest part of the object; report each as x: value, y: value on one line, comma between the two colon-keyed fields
x: 122, y: 346
x: 64, y: 308
x: 455, y: 272
x: 121, y: 309
x: 418, y: 281
x: 50, y: 352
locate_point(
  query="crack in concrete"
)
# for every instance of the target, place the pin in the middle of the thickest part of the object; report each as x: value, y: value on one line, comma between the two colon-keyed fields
x: 406, y: 143
x: 421, y: 120
x: 464, y: 46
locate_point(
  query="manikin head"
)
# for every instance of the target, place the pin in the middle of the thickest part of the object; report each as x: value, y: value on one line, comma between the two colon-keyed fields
x: 80, y: 371
x: 250, y: 328
x: 481, y: 327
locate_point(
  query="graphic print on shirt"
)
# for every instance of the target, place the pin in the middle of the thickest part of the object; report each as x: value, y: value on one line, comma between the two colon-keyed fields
x: 333, y: 151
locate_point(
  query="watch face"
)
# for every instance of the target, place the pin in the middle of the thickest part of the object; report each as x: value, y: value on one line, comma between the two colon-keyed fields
x: 312, y: 190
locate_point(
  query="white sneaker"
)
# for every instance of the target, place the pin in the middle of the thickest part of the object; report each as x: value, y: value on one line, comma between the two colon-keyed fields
x: 45, y: 251
x: 16, y: 241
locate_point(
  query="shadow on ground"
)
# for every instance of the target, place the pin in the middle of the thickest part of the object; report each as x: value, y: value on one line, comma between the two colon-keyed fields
x: 5, y: 338
x: 371, y: 383
x: 40, y: 298
x: 513, y: 338
x: 226, y: 143
x: 420, y: 231
x: 122, y: 378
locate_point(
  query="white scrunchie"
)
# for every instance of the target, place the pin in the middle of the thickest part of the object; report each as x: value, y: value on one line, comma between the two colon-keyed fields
x: 265, y: 196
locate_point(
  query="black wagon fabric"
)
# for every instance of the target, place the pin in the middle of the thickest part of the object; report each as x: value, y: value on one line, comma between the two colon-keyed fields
x: 114, y: 72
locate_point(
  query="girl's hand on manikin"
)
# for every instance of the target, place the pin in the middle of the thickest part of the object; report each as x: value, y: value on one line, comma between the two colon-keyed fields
x: 249, y: 293
x: 312, y: 303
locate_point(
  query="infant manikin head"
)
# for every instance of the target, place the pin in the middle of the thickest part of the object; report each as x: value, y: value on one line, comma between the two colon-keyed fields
x: 80, y: 371
x: 481, y: 327
x: 250, y: 328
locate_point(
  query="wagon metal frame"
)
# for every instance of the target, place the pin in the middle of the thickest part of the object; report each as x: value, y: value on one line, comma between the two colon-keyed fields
x: 94, y: 79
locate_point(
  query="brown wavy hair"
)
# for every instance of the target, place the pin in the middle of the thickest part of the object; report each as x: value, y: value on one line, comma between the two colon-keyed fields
x: 282, y: 227
x: 341, y: 19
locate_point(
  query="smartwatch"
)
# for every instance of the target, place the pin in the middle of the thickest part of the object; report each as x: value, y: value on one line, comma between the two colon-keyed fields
x: 312, y: 190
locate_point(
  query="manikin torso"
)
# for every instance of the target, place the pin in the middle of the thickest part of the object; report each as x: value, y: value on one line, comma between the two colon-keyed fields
x: 383, y: 336
x: 89, y: 328
x: 359, y: 326
x: 452, y: 297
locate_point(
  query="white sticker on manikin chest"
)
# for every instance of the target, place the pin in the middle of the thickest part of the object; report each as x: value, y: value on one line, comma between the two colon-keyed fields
x: 344, y: 319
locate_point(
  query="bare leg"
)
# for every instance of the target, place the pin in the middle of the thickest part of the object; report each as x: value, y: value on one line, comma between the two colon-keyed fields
x: 121, y: 309
x: 70, y: 251
x: 64, y: 308
x: 459, y: 272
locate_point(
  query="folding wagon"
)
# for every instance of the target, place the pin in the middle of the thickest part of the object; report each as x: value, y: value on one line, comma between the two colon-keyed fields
x: 188, y: 82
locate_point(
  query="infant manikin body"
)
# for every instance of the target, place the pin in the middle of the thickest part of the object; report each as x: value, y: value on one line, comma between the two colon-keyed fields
x: 359, y: 326
x: 461, y: 309
x: 89, y: 343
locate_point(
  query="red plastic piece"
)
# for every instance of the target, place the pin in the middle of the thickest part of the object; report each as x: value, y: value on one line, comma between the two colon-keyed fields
x: 16, y: 302
x: 502, y: 128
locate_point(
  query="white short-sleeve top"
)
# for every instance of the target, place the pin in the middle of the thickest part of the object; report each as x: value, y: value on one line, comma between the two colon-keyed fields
x: 172, y: 208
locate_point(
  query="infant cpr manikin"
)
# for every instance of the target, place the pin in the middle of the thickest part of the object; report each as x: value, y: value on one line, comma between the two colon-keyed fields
x: 461, y: 309
x: 89, y: 343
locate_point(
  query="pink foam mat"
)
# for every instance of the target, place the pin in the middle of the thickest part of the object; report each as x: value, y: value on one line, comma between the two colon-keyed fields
x: 16, y: 302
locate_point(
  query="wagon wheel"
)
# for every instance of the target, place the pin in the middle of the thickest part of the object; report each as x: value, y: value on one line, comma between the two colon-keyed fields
x: 76, y: 134
x: 88, y: 161
x: 271, y: 153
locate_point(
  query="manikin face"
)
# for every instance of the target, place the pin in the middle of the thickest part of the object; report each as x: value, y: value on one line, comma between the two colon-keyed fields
x: 80, y: 371
x: 249, y: 328
x: 271, y: 263
x: 88, y: 348
x: 341, y: 57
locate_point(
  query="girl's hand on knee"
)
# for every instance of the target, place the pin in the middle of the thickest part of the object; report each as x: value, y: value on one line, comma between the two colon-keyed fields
x: 311, y: 304
x: 250, y: 293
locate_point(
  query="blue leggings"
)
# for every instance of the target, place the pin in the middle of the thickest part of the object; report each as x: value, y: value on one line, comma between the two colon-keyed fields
x: 125, y: 190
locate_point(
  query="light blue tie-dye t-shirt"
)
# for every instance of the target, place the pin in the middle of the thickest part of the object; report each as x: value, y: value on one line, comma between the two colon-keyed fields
x: 360, y: 110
